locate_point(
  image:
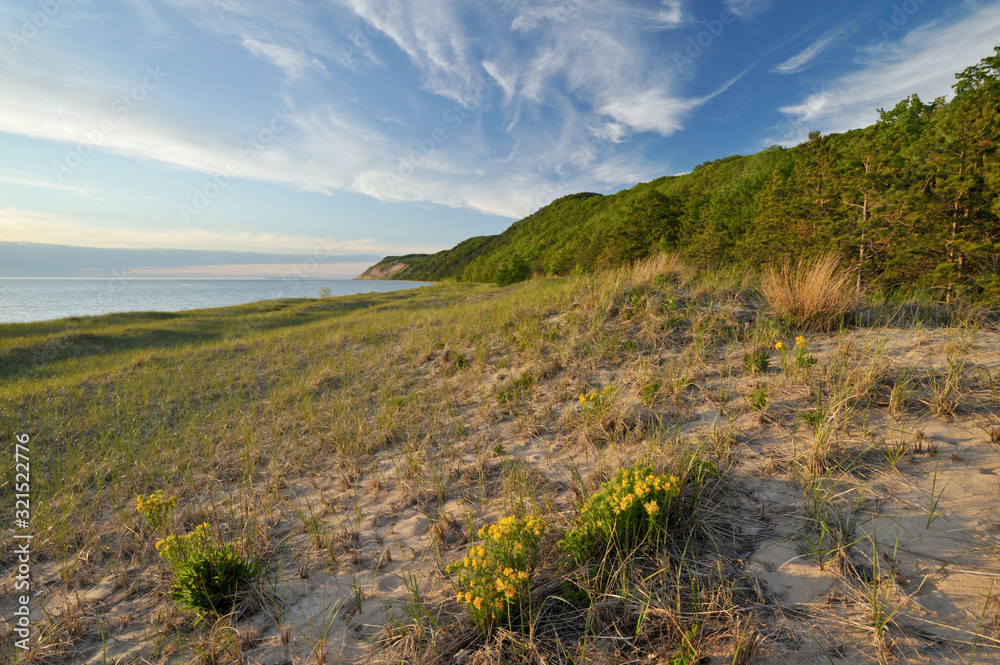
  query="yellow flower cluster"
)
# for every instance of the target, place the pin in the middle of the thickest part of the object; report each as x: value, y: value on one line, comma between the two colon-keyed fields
x: 174, y: 547
x: 510, y: 525
x: 155, y: 508
x: 641, y: 488
x: 800, y: 342
x: 593, y: 395
x: 631, y: 505
x: 491, y: 578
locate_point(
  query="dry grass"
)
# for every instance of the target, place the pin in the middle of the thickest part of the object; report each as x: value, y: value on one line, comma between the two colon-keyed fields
x: 357, y: 445
x: 814, y: 295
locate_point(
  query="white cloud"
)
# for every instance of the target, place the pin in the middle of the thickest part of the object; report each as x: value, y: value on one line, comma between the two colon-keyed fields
x: 923, y: 62
x: 293, y: 62
x: 801, y: 60
x: 587, y: 76
x: 748, y: 8
x: 649, y: 111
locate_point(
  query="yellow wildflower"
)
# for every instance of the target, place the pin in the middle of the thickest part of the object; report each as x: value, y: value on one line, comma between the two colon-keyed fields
x: 800, y: 341
x: 779, y: 346
x: 478, y: 603
x: 651, y: 507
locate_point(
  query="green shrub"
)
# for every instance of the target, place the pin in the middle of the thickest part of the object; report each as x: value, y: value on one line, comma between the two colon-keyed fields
x: 757, y: 399
x: 650, y: 392
x: 630, y: 509
x: 494, y: 579
x: 757, y: 361
x: 207, y: 578
x: 594, y: 406
x: 512, y: 270
x: 155, y: 509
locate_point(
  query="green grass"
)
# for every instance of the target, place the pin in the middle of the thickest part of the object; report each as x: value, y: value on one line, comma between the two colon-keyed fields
x: 297, y: 429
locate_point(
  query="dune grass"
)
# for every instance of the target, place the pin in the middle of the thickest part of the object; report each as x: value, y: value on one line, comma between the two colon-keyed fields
x: 813, y: 295
x: 357, y: 447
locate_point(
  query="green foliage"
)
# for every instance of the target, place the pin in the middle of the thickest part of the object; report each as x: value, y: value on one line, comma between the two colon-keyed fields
x: 155, y: 509
x: 910, y: 201
x: 814, y: 418
x: 757, y: 399
x: 631, y: 509
x: 649, y: 393
x: 797, y: 361
x: 493, y: 581
x: 594, y: 405
x: 208, y: 578
x: 512, y: 270
x: 687, y: 654
x: 756, y: 361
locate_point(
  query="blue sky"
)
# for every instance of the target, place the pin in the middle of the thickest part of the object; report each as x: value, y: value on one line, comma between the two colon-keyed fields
x: 374, y: 127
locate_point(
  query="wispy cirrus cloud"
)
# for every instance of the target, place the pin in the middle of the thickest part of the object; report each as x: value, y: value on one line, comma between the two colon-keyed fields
x: 804, y: 58
x: 923, y: 62
x: 294, y: 62
x: 551, y: 113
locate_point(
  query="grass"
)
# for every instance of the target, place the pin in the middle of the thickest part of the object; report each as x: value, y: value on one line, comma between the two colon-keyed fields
x: 812, y: 295
x: 354, y: 446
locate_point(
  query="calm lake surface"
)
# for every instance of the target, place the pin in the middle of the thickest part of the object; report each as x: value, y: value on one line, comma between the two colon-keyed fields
x: 24, y: 300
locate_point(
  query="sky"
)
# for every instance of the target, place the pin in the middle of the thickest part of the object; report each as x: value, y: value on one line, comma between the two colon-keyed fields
x: 352, y: 129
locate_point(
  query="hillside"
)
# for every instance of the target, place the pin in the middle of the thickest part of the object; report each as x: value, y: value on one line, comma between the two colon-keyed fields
x: 910, y: 201
x: 817, y: 497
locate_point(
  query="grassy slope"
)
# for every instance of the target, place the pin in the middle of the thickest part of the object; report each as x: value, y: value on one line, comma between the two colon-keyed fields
x: 577, y: 230
x: 448, y: 406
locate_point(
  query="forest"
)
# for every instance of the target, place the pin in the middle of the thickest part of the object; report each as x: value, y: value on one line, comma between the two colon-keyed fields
x: 909, y: 203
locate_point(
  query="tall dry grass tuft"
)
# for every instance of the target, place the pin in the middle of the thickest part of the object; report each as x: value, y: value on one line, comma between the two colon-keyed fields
x: 814, y: 294
x: 670, y: 266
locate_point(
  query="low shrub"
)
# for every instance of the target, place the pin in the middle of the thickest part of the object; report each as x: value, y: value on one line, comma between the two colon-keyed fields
x: 512, y: 270
x: 208, y: 578
x: 631, y: 509
x: 494, y: 579
x: 154, y: 509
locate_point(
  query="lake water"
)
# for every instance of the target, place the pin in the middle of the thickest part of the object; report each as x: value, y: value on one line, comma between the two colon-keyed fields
x: 24, y: 300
